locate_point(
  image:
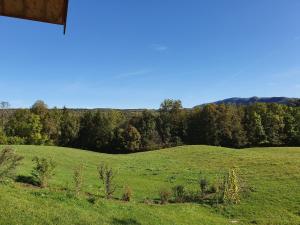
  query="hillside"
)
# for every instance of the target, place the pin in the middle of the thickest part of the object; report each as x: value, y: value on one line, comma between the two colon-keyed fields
x: 272, y: 174
x: 248, y: 101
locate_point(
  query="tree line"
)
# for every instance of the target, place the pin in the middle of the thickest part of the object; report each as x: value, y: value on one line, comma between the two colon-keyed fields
x: 116, y: 131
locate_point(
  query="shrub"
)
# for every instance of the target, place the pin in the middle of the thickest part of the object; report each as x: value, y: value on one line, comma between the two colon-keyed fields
x: 231, y: 188
x: 179, y: 193
x: 15, y: 140
x: 43, y: 171
x: 78, y: 179
x: 164, y: 195
x: 9, y: 161
x: 106, y: 176
x: 127, y: 195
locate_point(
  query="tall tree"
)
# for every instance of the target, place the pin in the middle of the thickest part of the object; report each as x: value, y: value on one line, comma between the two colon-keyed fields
x: 131, y: 139
x: 172, y: 123
x: 4, y: 106
x: 194, y: 131
x: 274, y: 124
x: 26, y: 125
x: 147, y: 127
x: 97, y: 129
x: 209, y: 127
x: 39, y: 108
x: 69, y: 128
x: 230, y: 131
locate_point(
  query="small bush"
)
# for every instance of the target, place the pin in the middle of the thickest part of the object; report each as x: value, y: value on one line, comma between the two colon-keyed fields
x: 164, y: 195
x: 179, y: 193
x: 127, y: 195
x: 106, y: 176
x: 43, y: 171
x: 78, y: 179
x: 9, y: 161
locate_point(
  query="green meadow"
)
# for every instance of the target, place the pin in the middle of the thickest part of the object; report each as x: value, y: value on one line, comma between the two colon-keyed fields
x: 271, y: 176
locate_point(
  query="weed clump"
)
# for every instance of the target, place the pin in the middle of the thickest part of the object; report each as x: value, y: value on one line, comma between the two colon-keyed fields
x: 179, y: 193
x: 43, y: 171
x: 204, y: 183
x: 9, y: 161
x: 78, y: 179
x: 106, y: 177
x: 165, y: 195
x: 127, y: 195
x: 232, y: 187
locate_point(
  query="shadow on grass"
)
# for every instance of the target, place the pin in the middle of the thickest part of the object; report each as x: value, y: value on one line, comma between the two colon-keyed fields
x: 116, y: 221
x: 27, y: 180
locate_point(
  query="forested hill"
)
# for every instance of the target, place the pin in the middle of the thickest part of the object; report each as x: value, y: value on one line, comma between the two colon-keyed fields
x: 248, y: 101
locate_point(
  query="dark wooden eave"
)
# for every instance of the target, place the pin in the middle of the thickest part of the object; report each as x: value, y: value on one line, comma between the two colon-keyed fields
x: 48, y: 11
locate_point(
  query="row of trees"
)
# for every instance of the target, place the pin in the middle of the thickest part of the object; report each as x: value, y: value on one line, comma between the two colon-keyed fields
x: 116, y: 131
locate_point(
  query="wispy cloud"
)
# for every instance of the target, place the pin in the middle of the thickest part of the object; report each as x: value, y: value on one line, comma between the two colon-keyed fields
x: 159, y: 47
x: 133, y: 74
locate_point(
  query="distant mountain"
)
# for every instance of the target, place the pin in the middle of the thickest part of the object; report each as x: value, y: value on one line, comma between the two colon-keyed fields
x: 248, y: 101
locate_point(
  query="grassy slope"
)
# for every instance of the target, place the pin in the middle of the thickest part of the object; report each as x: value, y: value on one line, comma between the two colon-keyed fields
x: 272, y: 172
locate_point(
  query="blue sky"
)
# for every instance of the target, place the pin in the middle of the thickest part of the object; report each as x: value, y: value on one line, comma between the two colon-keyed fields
x: 135, y: 53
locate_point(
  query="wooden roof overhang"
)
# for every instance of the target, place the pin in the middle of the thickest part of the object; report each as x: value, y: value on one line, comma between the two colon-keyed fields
x: 48, y: 11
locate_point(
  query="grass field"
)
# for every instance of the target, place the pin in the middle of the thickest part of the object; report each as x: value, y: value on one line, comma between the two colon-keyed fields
x: 272, y: 173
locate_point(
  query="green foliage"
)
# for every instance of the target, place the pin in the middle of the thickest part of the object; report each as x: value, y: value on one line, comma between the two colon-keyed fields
x: 51, y: 126
x: 230, y: 131
x: 4, y: 113
x: 3, y: 137
x: 146, y: 124
x: 9, y: 161
x: 35, y: 135
x: 39, y: 108
x: 27, y: 126
x: 131, y: 139
x: 43, y: 171
x: 255, y: 129
x: 171, y: 123
x: 116, y: 131
x: 78, y: 179
x: 69, y: 128
x: 97, y: 129
x: 217, y: 125
x: 15, y: 140
x: 290, y: 130
x: 297, y: 126
x: 106, y: 177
